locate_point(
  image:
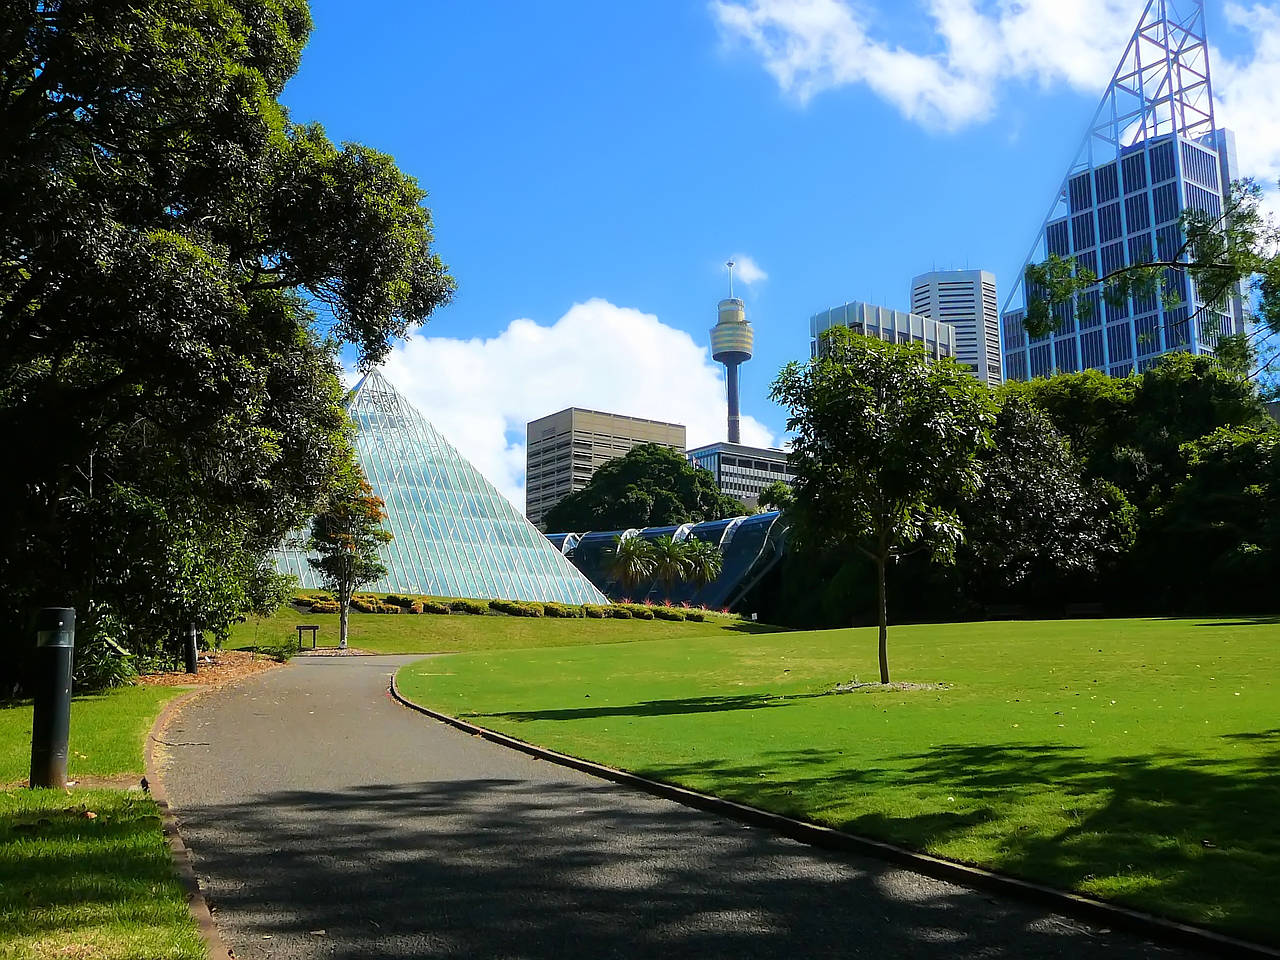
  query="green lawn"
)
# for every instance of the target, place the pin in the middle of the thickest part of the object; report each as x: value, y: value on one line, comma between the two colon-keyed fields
x: 74, y: 885
x: 1137, y: 760
x: 108, y: 733
x: 446, y: 633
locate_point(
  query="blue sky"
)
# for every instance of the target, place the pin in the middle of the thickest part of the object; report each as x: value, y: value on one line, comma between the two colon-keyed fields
x: 612, y: 156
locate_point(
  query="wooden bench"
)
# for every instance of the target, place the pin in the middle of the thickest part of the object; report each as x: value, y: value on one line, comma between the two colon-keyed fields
x: 307, y: 626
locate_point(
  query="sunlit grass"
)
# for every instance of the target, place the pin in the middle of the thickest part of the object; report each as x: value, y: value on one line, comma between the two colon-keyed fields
x: 1137, y: 760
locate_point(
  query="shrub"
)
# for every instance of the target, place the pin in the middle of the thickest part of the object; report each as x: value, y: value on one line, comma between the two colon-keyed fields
x: 103, y: 662
x: 697, y: 616
x: 595, y: 611
x: 389, y: 608
x: 668, y: 613
x: 415, y: 607
x: 619, y: 612
x: 563, y: 611
x: 642, y: 614
x: 434, y: 606
x: 503, y: 606
x: 396, y: 600
x: 530, y: 609
x: 328, y: 606
x: 473, y: 607
x: 364, y: 606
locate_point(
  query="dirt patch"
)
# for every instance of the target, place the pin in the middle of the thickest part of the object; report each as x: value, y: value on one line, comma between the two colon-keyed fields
x: 215, y: 669
x: 853, y: 686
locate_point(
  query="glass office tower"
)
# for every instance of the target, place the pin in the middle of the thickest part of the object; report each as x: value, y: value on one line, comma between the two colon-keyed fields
x: 1151, y: 152
x: 454, y: 534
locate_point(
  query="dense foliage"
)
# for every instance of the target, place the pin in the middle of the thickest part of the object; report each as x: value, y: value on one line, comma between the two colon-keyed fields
x: 886, y: 442
x: 1156, y: 493
x: 165, y: 229
x: 649, y: 486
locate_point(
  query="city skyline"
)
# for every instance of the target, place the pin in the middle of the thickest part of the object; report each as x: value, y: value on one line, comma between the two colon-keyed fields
x: 588, y: 217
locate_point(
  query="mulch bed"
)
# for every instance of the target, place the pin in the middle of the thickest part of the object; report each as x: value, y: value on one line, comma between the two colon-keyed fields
x: 335, y: 652
x: 214, y: 669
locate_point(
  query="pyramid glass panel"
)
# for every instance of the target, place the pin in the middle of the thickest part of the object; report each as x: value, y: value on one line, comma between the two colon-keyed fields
x: 453, y: 533
x: 1151, y: 151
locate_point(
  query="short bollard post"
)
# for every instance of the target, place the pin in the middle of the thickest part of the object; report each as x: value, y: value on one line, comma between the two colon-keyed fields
x: 190, y: 650
x: 51, y: 720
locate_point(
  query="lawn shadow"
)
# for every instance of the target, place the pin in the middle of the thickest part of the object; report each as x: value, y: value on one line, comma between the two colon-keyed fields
x: 504, y: 867
x: 1169, y: 832
x: 1243, y: 622
x: 652, y: 708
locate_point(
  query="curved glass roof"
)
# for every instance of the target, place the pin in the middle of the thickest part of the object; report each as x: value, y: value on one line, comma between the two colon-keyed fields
x: 749, y: 546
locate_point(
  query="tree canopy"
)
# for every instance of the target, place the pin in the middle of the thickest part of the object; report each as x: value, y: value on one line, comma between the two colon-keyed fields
x: 346, y: 536
x: 886, y: 440
x: 649, y: 486
x: 166, y: 232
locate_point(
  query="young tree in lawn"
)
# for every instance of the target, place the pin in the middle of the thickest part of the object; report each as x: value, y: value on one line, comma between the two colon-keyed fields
x: 885, y: 438
x: 346, y: 535
x: 776, y: 496
x: 633, y: 561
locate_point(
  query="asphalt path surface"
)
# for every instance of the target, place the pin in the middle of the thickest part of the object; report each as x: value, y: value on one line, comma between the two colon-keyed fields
x: 326, y: 820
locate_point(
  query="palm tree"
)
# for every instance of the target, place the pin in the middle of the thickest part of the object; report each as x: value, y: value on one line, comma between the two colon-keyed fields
x: 704, y: 562
x: 671, y: 563
x: 633, y: 562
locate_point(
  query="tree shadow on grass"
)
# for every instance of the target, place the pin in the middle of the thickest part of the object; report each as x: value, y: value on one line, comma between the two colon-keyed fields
x: 552, y: 869
x: 1177, y: 834
x: 653, y: 708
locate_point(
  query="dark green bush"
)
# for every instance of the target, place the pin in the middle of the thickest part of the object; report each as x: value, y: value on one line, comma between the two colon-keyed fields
x: 473, y: 607
x: 434, y: 606
x: 595, y: 611
x: 619, y: 612
x: 697, y: 616
x: 669, y: 613
x: 396, y: 600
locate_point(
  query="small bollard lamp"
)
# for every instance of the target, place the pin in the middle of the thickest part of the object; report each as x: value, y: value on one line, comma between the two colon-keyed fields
x: 51, y: 719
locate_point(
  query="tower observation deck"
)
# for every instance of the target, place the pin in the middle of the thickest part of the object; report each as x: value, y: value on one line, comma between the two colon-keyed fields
x: 732, y: 340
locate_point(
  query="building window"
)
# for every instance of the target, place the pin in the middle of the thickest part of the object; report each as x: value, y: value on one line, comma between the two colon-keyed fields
x: 1163, y: 162
x: 1081, y: 192
x: 1134, y: 169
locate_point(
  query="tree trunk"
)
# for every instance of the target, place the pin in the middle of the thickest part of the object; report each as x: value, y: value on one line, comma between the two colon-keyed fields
x: 884, y: 621
x: 343, y: 609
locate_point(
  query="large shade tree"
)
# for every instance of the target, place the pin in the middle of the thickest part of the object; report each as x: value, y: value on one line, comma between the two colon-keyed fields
x: 165, y: 232
x: 649, y: 486
x: 886, y: 439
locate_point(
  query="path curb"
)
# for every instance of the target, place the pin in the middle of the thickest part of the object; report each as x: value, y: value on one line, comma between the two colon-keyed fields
x: 182, y: 864
x: 1171, y: 932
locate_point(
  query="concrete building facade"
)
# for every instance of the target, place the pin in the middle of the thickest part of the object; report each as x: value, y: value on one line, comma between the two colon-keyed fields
x: 895, y: 326
x: 742, y: 471
x: 565, y: 449
x: 966, y: 299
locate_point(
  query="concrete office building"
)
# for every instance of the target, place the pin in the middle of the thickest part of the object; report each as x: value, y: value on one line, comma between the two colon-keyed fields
x: 1152, y: 151
x: 894, y: 326
x: 966, y: 299
x: 565, y: 449
x: 742, y: 471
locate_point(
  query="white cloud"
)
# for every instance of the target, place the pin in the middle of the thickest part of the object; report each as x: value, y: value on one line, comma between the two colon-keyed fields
x: 480, y: 393
x: 1247, y: 92
x: 814, y: 45
x: 747, y: 270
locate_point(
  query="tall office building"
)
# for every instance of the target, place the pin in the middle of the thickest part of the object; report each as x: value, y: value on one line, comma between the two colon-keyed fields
x: 966, y: 299
x: 565, y: 449
x: 1152, y: 151
x: 896, y: 326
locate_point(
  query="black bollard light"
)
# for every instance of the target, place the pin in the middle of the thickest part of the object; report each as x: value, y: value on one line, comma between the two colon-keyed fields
x: 192, y: 635
x: 51, y: 720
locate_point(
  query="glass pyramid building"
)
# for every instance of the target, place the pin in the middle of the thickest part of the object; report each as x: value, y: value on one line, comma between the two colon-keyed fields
x: 1152, y: 151
x: 454, y: 534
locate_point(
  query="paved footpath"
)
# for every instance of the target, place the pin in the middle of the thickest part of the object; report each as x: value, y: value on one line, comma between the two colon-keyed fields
x: 326, y: 820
